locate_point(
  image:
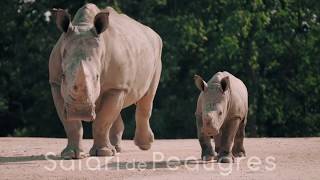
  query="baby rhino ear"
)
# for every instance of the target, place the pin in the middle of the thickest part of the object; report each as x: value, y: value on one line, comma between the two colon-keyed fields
x: 225, y: 83
x: 200, y: 83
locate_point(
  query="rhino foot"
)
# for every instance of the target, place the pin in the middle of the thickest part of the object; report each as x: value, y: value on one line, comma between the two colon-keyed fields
x: 118, y: 148
x: 225, y: 157
x: 71, y: 152
x: 102, y: 151
x: 207, y: 158
x: 209, y: 155
x: 143, y: 141
x: 239, y: 154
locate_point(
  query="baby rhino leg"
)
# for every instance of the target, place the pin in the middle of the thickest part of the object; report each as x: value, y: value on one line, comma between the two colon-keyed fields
x: 238, y: 148
x: 227, y: 138
x: 207, y: 152
x: 217, y: 142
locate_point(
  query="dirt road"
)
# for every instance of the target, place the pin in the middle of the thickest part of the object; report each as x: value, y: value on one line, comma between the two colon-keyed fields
x: 268, y: 158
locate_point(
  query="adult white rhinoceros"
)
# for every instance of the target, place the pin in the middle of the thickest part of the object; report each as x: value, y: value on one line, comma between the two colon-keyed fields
x: 103, y: 62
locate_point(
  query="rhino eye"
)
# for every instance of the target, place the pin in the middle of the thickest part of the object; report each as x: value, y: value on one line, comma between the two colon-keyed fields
x: 220, y: 113
x: 97, y: 77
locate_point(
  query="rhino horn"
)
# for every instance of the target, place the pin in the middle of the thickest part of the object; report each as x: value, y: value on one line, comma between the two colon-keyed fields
x: 80, y: 83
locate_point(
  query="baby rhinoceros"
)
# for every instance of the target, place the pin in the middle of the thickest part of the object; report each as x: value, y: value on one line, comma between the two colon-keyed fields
x: 221, y: 113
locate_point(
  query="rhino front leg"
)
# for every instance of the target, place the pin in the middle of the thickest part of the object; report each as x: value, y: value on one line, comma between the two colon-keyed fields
x: 73, y: 129
x: 207, y: 152
x: 217, y: 142
x: 74, y: 133
x: 227, y: 138
x: 111, y: 105
x: 116, y: 132
x: 238, y: 148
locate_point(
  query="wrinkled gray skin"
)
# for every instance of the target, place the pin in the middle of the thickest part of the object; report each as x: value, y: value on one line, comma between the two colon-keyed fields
x: 221, y: 113
x: 103, y: 62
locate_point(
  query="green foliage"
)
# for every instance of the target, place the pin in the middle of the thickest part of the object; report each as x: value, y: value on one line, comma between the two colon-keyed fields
x: 273, y: 46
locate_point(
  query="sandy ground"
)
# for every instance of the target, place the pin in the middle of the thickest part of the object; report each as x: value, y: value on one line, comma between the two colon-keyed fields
x: 268, y: 158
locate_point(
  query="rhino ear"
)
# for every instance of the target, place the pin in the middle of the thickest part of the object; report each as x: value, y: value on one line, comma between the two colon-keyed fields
x: 101, y: 22
x: 63, y: 19
x: 200, y: 83
x: 225, y: 83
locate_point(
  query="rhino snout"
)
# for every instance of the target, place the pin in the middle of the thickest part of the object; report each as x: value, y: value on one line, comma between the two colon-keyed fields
x: 208, y: 128
x: 210, y: 131
x: 79, y: 112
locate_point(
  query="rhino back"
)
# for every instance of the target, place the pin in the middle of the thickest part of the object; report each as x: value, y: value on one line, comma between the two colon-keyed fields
x: 239, y: 98
x: 238, y: 95
x: 133, y: 55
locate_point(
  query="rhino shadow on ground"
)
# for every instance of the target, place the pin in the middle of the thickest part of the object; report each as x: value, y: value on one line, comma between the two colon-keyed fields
x: 152, y: 164
x: 111, y: 165
x: 18, y: 159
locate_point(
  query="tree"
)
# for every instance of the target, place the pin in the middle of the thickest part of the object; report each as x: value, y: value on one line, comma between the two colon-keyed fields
x: 273, y: 46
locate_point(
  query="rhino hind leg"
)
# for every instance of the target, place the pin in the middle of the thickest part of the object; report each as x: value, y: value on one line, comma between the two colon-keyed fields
x: 143, y: 134
x: 111, y: 106
x: 238, y: 148
x: 116, y: 132
x: 227, y: 138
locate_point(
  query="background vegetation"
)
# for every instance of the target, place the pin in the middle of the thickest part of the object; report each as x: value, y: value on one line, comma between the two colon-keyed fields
x: 272, y: 45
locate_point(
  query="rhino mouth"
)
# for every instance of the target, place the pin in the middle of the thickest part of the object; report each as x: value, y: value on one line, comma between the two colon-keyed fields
x: 79, y: 112
x: 210, y: 131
